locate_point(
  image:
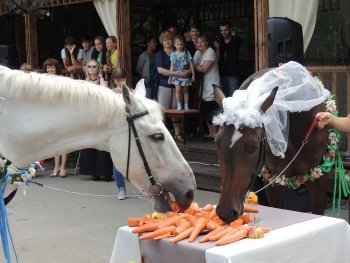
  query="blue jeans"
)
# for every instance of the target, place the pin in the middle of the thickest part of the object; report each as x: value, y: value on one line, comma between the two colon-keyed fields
x: 118, y: 177
x: 149, y: 93
x: 229, y: 85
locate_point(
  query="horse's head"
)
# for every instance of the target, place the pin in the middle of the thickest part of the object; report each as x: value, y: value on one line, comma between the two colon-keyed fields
x: 156, y: 164
x: 240, y: 142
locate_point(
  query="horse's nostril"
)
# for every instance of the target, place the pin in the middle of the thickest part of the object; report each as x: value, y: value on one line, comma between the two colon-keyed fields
x: 190, y: 195
x: 235, y: 214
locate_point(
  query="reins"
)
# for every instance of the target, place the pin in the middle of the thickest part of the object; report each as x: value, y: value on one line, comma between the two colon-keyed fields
x: 312, y: 126
x: 156, y: 188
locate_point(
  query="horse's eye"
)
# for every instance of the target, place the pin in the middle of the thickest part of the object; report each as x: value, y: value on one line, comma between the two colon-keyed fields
x: 157, y: 136
x: 252, y: 148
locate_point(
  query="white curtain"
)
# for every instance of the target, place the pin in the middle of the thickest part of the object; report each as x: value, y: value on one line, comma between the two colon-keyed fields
x: 106, y: 11
x: 302, y: 11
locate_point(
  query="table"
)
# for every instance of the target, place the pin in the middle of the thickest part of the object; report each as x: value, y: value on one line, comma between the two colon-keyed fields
x: 185, y: 116
x: 296, y: 237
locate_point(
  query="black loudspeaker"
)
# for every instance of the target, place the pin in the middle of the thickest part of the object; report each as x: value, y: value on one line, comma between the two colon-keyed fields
x: 285, y: 38
x: 8, y: 56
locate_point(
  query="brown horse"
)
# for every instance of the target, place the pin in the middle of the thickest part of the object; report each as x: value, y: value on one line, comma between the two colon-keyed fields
x: 242, y: 157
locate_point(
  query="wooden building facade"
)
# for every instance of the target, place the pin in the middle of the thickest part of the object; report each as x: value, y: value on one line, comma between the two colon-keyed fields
x: 250, y: 16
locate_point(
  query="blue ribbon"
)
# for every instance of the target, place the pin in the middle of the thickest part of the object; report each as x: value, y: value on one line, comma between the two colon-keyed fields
x: 4, y: 221
x: 4, y: 225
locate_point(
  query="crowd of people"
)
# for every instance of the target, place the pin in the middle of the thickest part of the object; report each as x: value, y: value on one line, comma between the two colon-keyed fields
x: 169, y: 73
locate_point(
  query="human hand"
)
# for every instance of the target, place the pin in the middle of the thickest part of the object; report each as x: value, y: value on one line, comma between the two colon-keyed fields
x: 105, y: 68
x: 216, y: 44
x: 182, y: 74
x: 70, y: 69
x: 71, y: 50
x: 117, y: 90
x: 323, y: 118
x: 193, y: 79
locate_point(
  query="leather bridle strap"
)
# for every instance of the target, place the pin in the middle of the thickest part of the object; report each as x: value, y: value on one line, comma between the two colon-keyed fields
x: 130, y: 118
x: 261, y: 160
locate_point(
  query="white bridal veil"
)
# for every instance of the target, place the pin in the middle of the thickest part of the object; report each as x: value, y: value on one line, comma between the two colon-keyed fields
x: 297, y: 91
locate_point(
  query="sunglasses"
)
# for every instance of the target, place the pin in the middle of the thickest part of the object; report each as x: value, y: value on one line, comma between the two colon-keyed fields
x: 92, y: 66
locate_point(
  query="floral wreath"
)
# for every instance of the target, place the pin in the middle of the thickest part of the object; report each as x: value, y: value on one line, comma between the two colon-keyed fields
x: 327, y: 163
x: 21, y: 177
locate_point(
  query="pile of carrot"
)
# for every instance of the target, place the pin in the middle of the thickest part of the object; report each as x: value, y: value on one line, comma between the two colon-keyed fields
x: 193, y: 222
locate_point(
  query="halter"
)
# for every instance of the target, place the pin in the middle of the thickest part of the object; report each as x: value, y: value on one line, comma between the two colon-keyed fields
x: 155, y: 189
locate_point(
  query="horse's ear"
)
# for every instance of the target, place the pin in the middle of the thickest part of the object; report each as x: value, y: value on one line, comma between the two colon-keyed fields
x: 269, y: 100
x: 140, y: 88
x: 126, y: 94
x: 218, y: 95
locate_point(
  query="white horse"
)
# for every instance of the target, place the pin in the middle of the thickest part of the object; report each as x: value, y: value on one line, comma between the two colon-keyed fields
x: 43, y: 115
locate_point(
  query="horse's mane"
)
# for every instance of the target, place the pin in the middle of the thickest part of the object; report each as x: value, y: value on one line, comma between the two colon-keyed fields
x: 66, y: 91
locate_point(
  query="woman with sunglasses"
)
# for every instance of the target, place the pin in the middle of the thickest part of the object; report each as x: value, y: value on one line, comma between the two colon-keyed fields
x: 93, y: 73
x: 92, y: 161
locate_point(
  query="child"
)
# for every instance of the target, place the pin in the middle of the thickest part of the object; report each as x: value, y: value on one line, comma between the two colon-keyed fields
x: 340, y: 123
x: 118, y: 77
x: 181, y: 60
x: 25, y: 67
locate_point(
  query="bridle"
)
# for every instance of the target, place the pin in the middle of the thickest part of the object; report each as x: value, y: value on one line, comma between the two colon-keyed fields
x: 156, y: 189
x: 305, y: 141
x: 261, y: 160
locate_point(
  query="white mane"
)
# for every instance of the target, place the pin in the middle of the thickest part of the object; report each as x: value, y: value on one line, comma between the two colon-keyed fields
x: 297, y: 91
x: 66, y: 91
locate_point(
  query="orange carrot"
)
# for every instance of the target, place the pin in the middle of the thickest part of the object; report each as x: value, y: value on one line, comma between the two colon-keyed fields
x: 208, y: 208
x: 250, y: 209
x: 158, y: 232
x: 172, y: 221
x: 199, y: 227
x: 211, y: 225
x: 219, y: 235
x: 247, y: 218
x: 217, y: 220
x: 182, y: 227
x: 211, y: 233
x: 231, y: 231
x: 174, y: 206
x: 191, y: 219
x: 166, y: 235
x: 134, y: 221
x: 266, y: 229
x: 182, y: 235
x: 170, y: 213
x: 146, y: 228
x: 202, y: 214
x: 195, y: 206
x: 237, y: 222
x: 212, y: 213
x: 237, y: 235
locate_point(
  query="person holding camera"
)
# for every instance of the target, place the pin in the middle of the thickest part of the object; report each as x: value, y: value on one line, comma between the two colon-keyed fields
x: 227, y: 47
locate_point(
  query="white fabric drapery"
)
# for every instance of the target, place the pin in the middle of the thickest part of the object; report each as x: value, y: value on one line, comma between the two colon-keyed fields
x: 107, y: 13
x: 301, y: 11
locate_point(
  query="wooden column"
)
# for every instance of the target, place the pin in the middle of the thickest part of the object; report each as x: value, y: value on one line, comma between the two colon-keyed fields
x: 31, y: 39
x: 123, y: 36
x: 19, y: 38
x: 261, y: 14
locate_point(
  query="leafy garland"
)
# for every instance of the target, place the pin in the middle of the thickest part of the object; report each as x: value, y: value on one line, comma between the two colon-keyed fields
x: 328, y: 159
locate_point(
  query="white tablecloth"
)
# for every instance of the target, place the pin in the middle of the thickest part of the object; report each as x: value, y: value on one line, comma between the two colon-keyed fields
x: 321, y: 239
